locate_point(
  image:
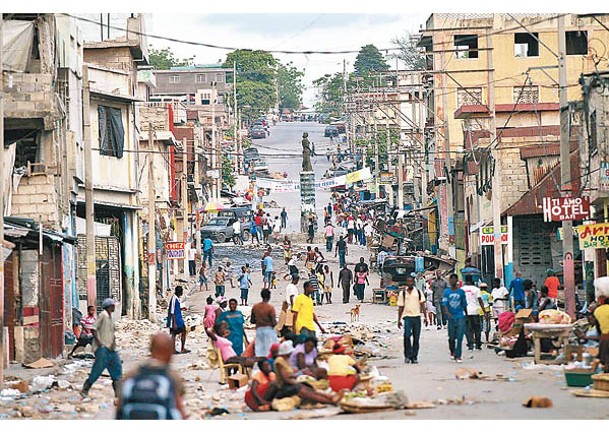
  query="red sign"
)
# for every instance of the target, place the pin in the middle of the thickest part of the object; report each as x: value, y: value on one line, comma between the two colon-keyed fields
x: 175, y: 250
x: 566, y: 209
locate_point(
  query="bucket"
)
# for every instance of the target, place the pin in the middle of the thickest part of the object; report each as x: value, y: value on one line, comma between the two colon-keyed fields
x: 393, y: 300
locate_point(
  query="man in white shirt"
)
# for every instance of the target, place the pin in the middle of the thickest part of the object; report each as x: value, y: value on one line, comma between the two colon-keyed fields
x: 500, y: 297
x: 473, y: 332
x: 291, y: 291
x: 237, y: 237
x: 192, y: 263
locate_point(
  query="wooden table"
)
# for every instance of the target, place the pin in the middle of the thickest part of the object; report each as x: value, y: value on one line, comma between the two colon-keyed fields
x: 555, y: 332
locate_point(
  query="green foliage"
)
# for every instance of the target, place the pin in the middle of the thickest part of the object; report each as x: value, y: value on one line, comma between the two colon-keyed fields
x: 164, y: 59
x: 409, y: 53
x: 254, y: 97
x: 291, y: 88
x: 253, y: 65
x: 369, y: 60
x: 228, y: 176
x: 331, y: 91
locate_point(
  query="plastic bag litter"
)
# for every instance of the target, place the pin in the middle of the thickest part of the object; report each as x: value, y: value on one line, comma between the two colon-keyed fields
x: 43, y: 382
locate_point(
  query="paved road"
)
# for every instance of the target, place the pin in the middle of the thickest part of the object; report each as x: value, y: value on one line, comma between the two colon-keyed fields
x: 283, y: 153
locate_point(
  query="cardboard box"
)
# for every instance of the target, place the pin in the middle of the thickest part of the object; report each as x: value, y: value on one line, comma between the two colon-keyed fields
x: 237, y: 381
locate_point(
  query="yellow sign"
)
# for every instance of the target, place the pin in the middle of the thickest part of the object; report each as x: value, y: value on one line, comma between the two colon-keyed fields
x: 594, y: 236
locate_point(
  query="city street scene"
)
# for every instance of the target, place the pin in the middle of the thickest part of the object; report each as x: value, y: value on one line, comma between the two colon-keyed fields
x: 304, y: 216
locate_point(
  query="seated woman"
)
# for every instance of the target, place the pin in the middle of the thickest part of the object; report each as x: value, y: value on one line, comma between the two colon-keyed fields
x: 287, y: 385
x: 235, y: 320
x: 545, y: 302
x: 218, y: 337
x: 304, y: 359
x: 262, y: 388
x: 342, y: 370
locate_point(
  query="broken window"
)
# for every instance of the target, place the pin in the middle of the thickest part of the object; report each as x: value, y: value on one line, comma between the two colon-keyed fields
x: 27, y: 150
x: 469, y: 97
x: 577, y: 42
x: 174, y: 79
x: 530, y: 94
x: 111, y: 131
x: 467, y: 46
x: 526, y: 44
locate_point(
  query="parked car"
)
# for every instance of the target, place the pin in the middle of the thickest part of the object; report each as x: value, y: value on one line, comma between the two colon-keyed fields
x: 250, y: 153
x: 220, y: 229
x: 331, y: 131
x: 237, y: 213
x: 342, y: 129
x: 337, y: 173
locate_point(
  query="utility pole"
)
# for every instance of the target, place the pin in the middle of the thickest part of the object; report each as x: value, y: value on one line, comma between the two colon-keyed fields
x: 565, y: 171
x: 185, y: 223
x: 215, y: 154
x: 447, y: 164
x: 151, y: 229
x: 376, y: 157
x: 89, y: 205
x: 2, y: 338
x: 388, y: 191
x: 496, y: 190
x: 235, y: 138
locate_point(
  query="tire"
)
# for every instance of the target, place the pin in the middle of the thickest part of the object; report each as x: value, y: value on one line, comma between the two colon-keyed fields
x: 221, y: 237
x: 246, y: 235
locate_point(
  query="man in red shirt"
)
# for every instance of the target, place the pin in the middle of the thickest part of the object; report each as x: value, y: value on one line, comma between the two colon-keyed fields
x: 86, y: 335
x: 552, y: 283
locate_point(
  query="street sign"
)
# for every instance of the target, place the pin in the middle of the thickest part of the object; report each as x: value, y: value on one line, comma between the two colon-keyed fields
x: 566, y: 209
x: 604, y: 177
x: 593, y: 236
x: 213, y: 173
x: 487, y: 236
x: 174, y: 250
x: 386, y: 178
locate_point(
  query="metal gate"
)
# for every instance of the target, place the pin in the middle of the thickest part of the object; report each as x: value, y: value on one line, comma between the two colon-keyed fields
x: 10, y: 307
x: 51, y: 302
x: 532, y: 250
x: 108, y: 268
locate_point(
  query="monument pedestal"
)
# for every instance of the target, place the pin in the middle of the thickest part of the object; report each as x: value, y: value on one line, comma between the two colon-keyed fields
x: 307, y: 198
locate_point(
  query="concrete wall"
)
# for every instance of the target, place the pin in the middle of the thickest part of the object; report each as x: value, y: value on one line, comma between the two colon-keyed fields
x: 36, y: 198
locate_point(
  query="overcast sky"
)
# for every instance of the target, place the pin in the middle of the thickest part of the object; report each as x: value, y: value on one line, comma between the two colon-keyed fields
x: 292, y: 31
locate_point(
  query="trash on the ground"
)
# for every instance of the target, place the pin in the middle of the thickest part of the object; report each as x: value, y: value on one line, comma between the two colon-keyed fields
x: 217, y: 411
x: 41, y: 363
x: 285, y: 404
x: 43, y: 382
x: 538, y: 402
x: 420, y: 405
x: 465, y: 373
x: 10, y: 392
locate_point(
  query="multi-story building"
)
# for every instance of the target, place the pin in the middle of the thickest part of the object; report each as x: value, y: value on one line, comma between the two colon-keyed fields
x: 515, y: 56
x: 193, y: 84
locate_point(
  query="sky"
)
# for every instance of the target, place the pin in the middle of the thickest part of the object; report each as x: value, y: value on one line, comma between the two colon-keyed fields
x: 284, y: 31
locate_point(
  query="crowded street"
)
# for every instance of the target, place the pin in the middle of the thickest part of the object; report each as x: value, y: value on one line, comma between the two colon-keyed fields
x: 301, y: 233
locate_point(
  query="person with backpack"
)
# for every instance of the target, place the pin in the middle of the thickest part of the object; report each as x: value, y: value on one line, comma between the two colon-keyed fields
x: 411, y: 303
x: 153, y: 391
x: 175, y: 321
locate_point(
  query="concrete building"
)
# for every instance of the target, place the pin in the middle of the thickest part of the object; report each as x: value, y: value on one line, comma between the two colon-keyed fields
x: 193, y: 84
x: 516, y: 55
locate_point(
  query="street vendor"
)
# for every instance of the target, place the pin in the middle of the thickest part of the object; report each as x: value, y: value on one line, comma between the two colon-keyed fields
x: 262, y: 388
x: 219, y: 337
x: 234, y: 320
x: 304, y: 359
x: 343, y: 370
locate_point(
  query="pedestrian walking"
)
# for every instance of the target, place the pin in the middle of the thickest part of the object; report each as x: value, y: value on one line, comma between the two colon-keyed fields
x: 208, y: 250
x: 304, y: 313
x: 485, y: 317
x: 291, y: 291
x: 237, y: 237
x: 263, y: 316
x: 454, y: 304
x: 85, y: 337
x: 341, y: 250
x: 314, y: 280
x: 328, y: 283
x: 153, y: 391
x: 254, y: 233
x: 228, y: 272
x: 438, y: 285
x: 284, y: 218
x: 277, y: 228
x: 267, y: 227
x: 175, y: 321
x: 292, y: 268
x: 104, y: 347
x: 203, y: 277
x: 244, y: 285
x: 360, y: 280
x: 553, y: 284
x: 219, y: 281
x: 474, y: 302
x: 267, y: 270
x: 329, y: 234
x: 411, y: 303
x: 345, y: 277
x: 192, y: 260
x: 517, y: 292
x: 311, y: 231
x: 499, y: 296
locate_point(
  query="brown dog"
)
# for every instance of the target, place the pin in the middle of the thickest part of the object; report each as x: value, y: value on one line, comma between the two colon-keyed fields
x: 355, y: 313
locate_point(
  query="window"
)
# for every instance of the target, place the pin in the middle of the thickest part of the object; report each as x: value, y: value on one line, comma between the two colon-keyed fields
x: 530, y: 94
x: 467, y: 46
x: 526, y: 45
x: 200, y: 78
x: 111, y: 131
x: 469, y: 96
x: 220, y: 77
x: 174, y: 79
x: 577, y: 42
x: 229, y: 77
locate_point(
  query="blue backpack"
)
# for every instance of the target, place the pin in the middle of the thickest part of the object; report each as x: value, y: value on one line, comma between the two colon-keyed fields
x: 150, y: 395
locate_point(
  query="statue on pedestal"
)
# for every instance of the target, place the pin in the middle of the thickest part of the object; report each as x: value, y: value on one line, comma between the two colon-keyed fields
x: 306, y: 154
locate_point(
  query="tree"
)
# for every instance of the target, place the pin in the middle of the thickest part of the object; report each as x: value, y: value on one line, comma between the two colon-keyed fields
x: 409, y: 53
x: 165, y: 59
x: 289, y: 83
x: 228, y: 176
x: 369, y: 60
x: 330, y: 90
